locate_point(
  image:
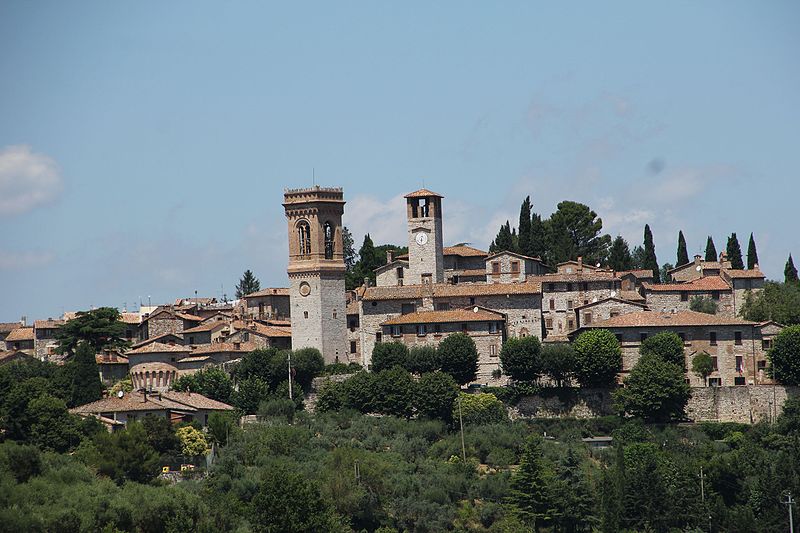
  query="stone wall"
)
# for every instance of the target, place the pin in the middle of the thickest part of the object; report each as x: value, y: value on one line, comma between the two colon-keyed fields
x: 667, y: 301
x: 745, y: 405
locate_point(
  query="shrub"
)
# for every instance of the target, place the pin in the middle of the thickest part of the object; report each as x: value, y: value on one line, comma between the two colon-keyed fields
x: 459, y: 357
x: 598, y: 358
x: 387, y: 355
x: 558, y: 363
x: 667, y: 345
x: 193, y: 442
x: 521, y: 358
x: 277, y: 408
x: 434, y: 396
x: 358, y: 392
x: 702, y: 365
x: 481, y: 408
x: 783, y: 356
x: 212, y: 382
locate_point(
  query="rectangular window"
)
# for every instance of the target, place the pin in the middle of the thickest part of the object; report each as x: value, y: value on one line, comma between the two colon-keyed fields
x: 399, y: 272
x: 612, y: 314
x: 442, y: 306
x: 352, y: 346
x: 305, y: 314
x: 737, y: 336
x: 715, y: 295
x: 246, y: 336
x: 395, y: 331
x: 739, y: 380
x: 619, y: 337
x: 570, y: 324
x: 493, y: 350
x: 548, y: 323
x: 552, y: 304
x: 191, y: 340
x: 684, y: 296
x: 422, y: 330
x: 739, y: 364
x: 712, y: 338
x: 584, y: 286
x: 642, y: 337
x: 437, y: 328
x: 493, y: 327
x: 495, y: 268
x: 407, y: 309
x: 682, y: 335
x: 762, y: 365
x: 569, y: 304
x: 714, y: 382
x: 714, y: 363
x: 587, y: 319
x: 766, y: 344
x: 550, y: 287
x: 378, y: 337
x: 569, y: 287
x: 472, y: 301
x: 464, y: 328
x: 515, y: 267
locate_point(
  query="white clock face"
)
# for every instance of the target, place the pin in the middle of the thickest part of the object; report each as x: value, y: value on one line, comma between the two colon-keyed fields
x: 422, y: 238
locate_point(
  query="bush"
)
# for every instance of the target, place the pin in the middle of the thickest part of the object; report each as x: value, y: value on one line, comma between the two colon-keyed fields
x: 558, y: 363
x: 598, y: 358
x: 394, y: 392
x: 283, y: 408
x: 434, y: 395
x: 783, y: 356
x: 340, y: 368
x: 22, y: 461
x: 307, y: 364
x: 703, y: 305
x: 423, y: 359
x: 387, y: 355
x: 251, y: 392
x: 212, y: 382
x: 479, y: 409
x: 458, y: 357
x: 521, y: 358
x: 359, y: 392
x: 655, y: 390
x: 666, y: 345
x: 193, y: 442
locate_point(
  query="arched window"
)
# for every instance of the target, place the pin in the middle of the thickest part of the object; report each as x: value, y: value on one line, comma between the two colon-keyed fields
x: 328, y: 231
x: 304, y: 237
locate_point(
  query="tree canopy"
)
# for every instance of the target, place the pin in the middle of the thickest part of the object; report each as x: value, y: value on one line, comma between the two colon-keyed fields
x: 247, y: 285
x: 665, y: 345
x: 654, y: 390
x: 574, y: 230
x: 458, y: 357
x: 619, y: 257
x: 101, y: 328
x: 711, y: 250
x: 777, y: 301
x: 521, y: 358
x: 598, y: 358
x: 734, y: 252
x: 650, y: 260
x: 683, y: 254
x: 789, y: 271
x: 752, y: 253
x: 783, y: 356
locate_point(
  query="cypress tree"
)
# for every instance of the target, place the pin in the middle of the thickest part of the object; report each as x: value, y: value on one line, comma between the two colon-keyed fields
x: 790, y: 272
x: 619, y: 257
x: 504, y: 240
x: 683, y: 254
x: 650, y: 261
x: 538, y: 238
x: 711, y: 250
x: 752, y: 254
x: 86, y: 385
x: 734, y: 252
x: 524, y: 243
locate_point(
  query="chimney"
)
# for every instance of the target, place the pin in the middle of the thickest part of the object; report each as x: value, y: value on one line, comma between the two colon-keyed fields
x: 23, y: 321
x: 580, y: 263
x: 697, y: 259
x: 145, y: 395
x: 722, y: 256
x: 366, y: 282
x: 389, y: 256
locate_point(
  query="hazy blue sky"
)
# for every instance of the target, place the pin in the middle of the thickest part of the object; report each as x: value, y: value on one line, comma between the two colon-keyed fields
x: 144, y: 146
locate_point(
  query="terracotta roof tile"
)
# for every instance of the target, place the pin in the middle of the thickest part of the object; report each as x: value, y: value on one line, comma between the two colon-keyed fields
x: 263, y: 329
x: 638, y: 273
x: 707, y: 283
x: 752, y: 274
x: 423, y: 193
x: 275, y: 291
x: 470, y: 272
x: 8, y: 327
x: 130, y: 318
x: 442, y: 317
x: 631, y: 296
x: 443, y: 290
x: 577, y: 277
x: 11, y: 355
x: 132, y: 401
x: 611, y: 299
x: 705, y: 265
x: 158, y: 347
x: 462, y: 250
x: 224, y: 347
x: 198, y: 401
x: 207, y: 326
x: 504, y: 252
x: 157, y: 339
x: 352, y: 308
x: 48, y: 324
x: 21, y: 334
x: 658, y: 319
x: 190, y: 318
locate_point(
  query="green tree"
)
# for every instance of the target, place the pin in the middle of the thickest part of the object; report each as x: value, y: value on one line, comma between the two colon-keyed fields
x: 783, y: 356
x: 434, y: 395
x: 459, y: 357
x: 86, y: 385
x: 247, y: 285
x: 524, y: 238
x: 558, y: 362
x: 307, y: 363
x: 711, y: 250
x: 212, y: 382
x: 423, y: 359
x: 394, y: 392
x: 598, y: 358
x: 22, y: 461
x: 101, y: 328
x: 778, y: 301
x: 650, y: 261
x: 249, y: 395
x: 369, y: 260
x: 161, y: 435
x: 386, y: 355
x: 359, y: 392
x: 752, y: 253
x: 538, y: 241
x: 479, y: 409
x: 348, y: 250
x: 664, y: 275
x: 734, y: 252
x: 521, y: 358
x: 286, y: 501
x: 126, y: 455
x: 52, y: 427
x: 530, y: 488
x: 702, y: 365
x: 619, y: 257
x: 703, y: 305
x: 654, y: 390
x: 574, y: 230
x: 221, y: 427
x: 504, y: 240
x: 683, y: 254
x: 637, y: 258
x: 789, y: 271
x: 666, y: 345
x: 571, y: 496
x: 193, y: 442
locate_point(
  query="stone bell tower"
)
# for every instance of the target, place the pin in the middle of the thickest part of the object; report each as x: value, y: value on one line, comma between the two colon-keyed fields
x: 425, y: 248
x: 316, y: 270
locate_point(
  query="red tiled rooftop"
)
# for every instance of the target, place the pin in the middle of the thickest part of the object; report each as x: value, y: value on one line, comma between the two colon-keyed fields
x: 423, y: 193
x: 21, y: 334
x: 660, y: 319
x: 443, y: 317
x: 275, y: 291
x: 707, y: 283
x: 443, y: 290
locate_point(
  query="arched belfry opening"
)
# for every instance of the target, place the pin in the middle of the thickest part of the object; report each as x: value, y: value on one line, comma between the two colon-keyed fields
x: 327, y: 231
x: 304, y: 238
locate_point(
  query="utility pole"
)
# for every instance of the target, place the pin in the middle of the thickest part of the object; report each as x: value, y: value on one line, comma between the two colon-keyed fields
x: 290, y: 375
x: 357, y: 471
x: 461, y: 423
x: 703, y: 496
x: 789, y: 502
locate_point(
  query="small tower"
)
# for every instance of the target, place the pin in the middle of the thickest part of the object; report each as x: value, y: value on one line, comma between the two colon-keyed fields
x: 425, y: 261
x: 316, y: 270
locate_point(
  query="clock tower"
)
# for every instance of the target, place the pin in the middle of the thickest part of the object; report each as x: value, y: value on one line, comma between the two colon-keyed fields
x: 316, y: 271
x: 425, y: 249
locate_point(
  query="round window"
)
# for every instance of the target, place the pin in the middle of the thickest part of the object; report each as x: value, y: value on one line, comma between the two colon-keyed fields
x: 305, y: 289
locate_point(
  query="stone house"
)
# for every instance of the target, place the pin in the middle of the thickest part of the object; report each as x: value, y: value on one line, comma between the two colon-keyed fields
x: 699, y: 268
x: 167, y: 321
x: 428, y: 328
x: 666, y: 297
x: 262, y: 336
x: 510, y: 267
x: 520, y: 303
x: 44, y: 342
x: 463, y: 264
x: 9, y: 356
x: 743, y: 282
x: 21, y: 339
x: 575, y: 267
x: 271, y: 303
x: 155, y: 365
x: 6, y: 328
x: 166, y: 338
x: 131, y: 321
x: 632, y: 280
x: 562, y: 293
x: 206, y: 333
x: 112, y: 365
x: 587, y: 314
x: 175, y: 406
x: 392, y: 274
x: 353, y: 331
x: 735, y: 345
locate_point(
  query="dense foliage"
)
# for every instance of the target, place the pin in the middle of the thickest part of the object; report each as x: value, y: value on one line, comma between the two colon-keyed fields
x: 667, y: 346
x: 784, y: 356
x: 101, y: 328
x: 521, y: 358
x: 654, y: 390
x: 458, y: 357
x: 703, y: 305
x: 247, y: 285
x: 386, y: 355
x: 598, y: 358
x: 778, y: 301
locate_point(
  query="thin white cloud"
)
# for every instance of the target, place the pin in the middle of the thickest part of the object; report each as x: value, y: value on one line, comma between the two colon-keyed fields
x: 384, y: 220
x: 27, y: 179
x: 24, y: 260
